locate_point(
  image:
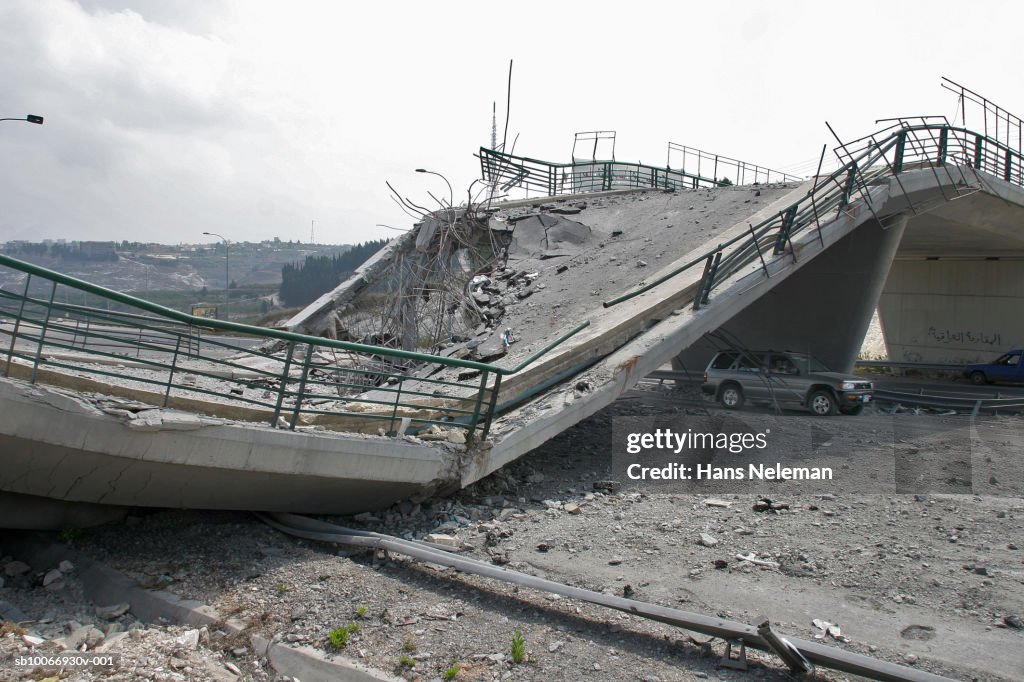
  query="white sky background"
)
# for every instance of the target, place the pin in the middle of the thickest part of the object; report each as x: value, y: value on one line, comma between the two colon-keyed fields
x: 168, y: 118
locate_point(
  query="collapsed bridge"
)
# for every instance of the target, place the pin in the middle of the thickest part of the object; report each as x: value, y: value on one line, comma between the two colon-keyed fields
x: 491, y: 328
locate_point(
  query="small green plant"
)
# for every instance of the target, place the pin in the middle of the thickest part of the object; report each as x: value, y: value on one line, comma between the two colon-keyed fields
x: 353, y: 628
x: 407, y: 661
x: 69, y: 535
x: 361, y: 611
x: 408, y: 645
x: 518, y: 647
x: 451, y: 672
x: 282, y: 588
x: 338, y: 638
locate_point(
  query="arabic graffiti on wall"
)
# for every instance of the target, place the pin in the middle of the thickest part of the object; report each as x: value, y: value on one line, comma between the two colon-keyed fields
x: 964, y: 336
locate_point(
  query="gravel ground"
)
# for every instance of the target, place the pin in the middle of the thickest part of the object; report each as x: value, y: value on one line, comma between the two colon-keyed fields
x: 931, y: 580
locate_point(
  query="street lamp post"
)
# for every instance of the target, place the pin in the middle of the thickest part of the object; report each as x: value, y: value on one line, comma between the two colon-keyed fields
x: 227, y: 276
x: 31, y: 118
x: 451, y: 194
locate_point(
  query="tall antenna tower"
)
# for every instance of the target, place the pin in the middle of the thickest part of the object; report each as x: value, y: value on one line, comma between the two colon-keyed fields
x: 494, y: 145
x: 311, y: 224
x: 494, y: 125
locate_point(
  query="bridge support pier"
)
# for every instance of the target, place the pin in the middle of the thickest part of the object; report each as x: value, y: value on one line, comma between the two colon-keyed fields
x: 823, y: 308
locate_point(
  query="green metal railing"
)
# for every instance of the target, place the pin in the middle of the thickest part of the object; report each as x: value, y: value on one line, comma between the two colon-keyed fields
x: 943, y: 149
x: 170, y: 358
x: 552, y: 179
x: 722, y: 167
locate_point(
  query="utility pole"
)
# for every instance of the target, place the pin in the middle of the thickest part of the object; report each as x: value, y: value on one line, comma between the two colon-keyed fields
x: 227, y: 272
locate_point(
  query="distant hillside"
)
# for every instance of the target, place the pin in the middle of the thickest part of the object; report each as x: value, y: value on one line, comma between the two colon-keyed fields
x: 136, y: 267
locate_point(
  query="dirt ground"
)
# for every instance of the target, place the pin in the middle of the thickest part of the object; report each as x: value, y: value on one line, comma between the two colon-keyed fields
x: 930, y: 579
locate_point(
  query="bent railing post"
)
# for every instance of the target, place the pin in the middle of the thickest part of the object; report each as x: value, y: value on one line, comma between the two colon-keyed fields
x: 711, y: 278
x: 17, y: 325
x: 476, y: 408
x: 699, y: 297
x: 901, y: 147
x: 170, y: 376
x: 302, y: 386
x: 394, y: 408
x: 284, y: 383
x: 490, y: 406
x: 42, y: 333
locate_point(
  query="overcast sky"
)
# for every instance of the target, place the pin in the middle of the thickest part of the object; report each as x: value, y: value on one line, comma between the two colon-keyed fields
x: 168, y: 118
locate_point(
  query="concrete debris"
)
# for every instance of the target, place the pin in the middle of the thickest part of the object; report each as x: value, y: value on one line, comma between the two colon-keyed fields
x: 51, y: 577
x: 13, y: 568
x: 828, y: 629
x: 113, y: 611
x: 188, y: 639
x: 444, y: 540
x: 707, y: 540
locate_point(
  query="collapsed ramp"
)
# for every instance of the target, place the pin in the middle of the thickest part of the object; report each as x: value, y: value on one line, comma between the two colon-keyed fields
x: 573, y: 309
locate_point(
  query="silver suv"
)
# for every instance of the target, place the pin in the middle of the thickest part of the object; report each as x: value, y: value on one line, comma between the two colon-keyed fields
x: 734, y: 377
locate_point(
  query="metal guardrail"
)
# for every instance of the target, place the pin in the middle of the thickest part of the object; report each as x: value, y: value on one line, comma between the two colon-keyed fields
x: 553, y: 179
x: 975, y: 405
x: 909, y: 365
x: 341, y: 383
x: 944, y: 149
x: 743, y: 172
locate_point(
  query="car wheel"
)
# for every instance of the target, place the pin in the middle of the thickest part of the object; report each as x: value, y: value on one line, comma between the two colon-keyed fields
x: 822, y: 404
x: 978, y: 378
x: 854, y: 411
x: 731, y: 397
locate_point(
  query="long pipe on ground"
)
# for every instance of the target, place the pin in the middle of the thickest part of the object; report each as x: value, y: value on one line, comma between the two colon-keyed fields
x: 790, y: 649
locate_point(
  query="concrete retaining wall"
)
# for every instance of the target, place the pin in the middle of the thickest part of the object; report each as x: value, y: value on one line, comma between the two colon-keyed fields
x: 953, y: 311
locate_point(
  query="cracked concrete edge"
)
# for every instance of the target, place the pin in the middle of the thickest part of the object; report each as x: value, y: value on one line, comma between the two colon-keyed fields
x: 311, y: 665
x: 105, y: 586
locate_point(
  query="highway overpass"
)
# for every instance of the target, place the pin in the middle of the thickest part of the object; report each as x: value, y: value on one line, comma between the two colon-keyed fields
x: 317, y: 421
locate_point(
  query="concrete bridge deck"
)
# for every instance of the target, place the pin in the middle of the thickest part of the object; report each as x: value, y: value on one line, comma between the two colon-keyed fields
x: 779, y: 260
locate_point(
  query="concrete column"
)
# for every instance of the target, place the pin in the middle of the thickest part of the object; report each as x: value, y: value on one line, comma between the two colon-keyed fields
x: 824, y: 308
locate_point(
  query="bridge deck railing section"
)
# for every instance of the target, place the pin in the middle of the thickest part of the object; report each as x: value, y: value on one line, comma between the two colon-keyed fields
x: 878, y: 158
x: 154, y: 351
x: 546, y: 178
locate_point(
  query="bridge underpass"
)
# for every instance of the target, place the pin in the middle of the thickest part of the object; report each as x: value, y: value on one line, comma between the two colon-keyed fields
x: 945, y: 279
x: 329, y: 444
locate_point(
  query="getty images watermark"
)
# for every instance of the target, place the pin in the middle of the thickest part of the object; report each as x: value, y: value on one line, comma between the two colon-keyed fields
x: 752, y: 452
x: 667, y: 440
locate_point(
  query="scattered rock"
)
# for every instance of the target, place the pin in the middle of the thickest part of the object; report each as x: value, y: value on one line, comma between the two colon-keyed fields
x: 15, y: 568
x: 444, y: 540
x: 188, y: 640
x: 32, y: 640
x: 52, y: 577
x: 707, y: 540
x: 113, y: 611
